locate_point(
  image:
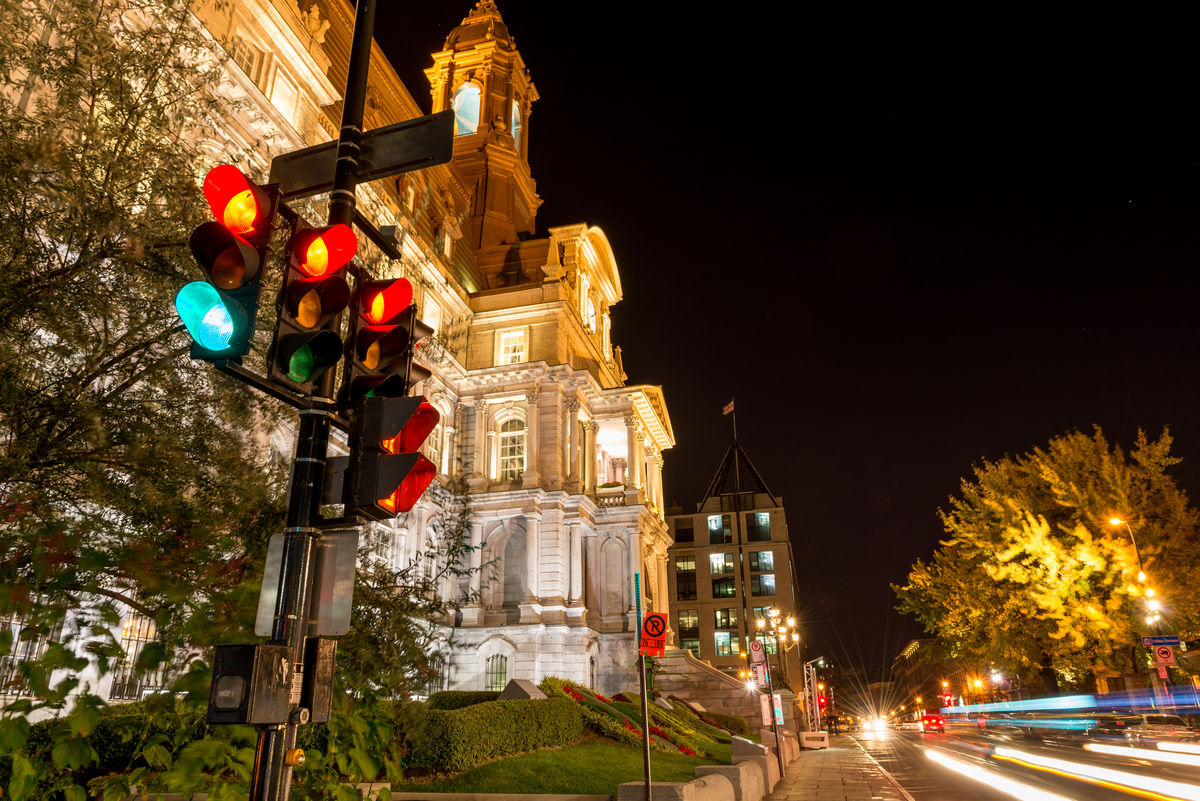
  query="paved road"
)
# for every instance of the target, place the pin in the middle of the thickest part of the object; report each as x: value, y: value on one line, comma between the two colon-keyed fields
x: 906, y: 758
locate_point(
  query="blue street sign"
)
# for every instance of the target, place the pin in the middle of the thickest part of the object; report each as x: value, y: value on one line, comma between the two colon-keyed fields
x: 1161, y: 639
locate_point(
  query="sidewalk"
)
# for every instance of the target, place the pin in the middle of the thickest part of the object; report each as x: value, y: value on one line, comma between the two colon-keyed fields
x: 842, y: 772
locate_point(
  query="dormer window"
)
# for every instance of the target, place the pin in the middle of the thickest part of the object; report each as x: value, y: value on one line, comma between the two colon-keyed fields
x: 248, y: 57
x: 511, y: 347
x: 587, y: 306
x: 514, y: 125
x: 466, y: 109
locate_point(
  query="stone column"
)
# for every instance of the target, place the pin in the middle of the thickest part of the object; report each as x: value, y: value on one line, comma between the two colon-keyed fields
x: 575, y: 587
x: 477, y: 479
x: 589, y: 447
x: 532, y: 475
x: 633, y: 461
x: 573, y: 446
x: 532, y: 556
x: 656, y: 466
x: 473, y: 610
x: 635, y: 565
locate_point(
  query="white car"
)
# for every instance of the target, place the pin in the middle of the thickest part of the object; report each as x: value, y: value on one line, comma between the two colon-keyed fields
x: 1154, y: 727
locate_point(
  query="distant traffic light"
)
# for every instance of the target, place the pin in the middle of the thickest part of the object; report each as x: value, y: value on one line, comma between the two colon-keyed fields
x: 822, y: 701
x: 313, y: 294
x: 384, y: 329
x: 219, y: 312
x: 387, y: 475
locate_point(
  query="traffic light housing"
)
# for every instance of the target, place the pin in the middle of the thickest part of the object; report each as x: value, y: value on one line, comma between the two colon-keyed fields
x: 314, y: 293
x: 387, y: 474
x: 384, y: 329
x: 219, y: 312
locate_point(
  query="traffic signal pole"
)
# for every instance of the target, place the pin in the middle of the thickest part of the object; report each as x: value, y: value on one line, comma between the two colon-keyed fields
x: 275, y: 755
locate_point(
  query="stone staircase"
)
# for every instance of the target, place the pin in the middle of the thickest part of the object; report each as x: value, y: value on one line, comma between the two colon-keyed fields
x: 685, y: 676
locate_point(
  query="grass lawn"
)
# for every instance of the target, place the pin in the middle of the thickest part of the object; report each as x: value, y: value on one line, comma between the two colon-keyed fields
x: 593, y: 766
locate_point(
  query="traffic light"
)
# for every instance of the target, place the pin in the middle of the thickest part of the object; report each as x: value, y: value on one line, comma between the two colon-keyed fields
x: 219, y: 312
x: 822, y: 701
x: 387, y: 475
x: 385, y: 327
x: 313, y: 294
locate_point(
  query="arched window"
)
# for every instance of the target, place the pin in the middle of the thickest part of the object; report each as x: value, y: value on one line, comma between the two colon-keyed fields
x: 512, y: 449
x: 496, y: 675
x: 466, y: 109
x: 587, y: 306
x: 514, y: 125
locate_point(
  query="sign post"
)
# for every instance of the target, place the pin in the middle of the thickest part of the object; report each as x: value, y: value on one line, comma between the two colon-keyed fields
x: 637, y: 594
x: 758, y: 658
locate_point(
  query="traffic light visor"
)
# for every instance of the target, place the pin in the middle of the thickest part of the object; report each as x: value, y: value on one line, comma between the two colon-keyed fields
x: 237, y: 204
x: 414, y: 433
x: 212, y: 320
x: 411, y: 488
x: 320, y: 251
x: 383, y: 301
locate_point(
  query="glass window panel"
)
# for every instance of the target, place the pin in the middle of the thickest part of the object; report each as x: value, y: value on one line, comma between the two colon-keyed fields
x: 466, y: 109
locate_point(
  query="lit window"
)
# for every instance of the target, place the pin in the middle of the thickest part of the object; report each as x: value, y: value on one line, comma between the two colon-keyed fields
x: 727, y: 644
x: 247, y: 57
x: 720, y: 563
x: 724, y: 588
x: 514, y: 125
x: 129, y: 684
x: 285, y: 96
x: 512, y: 450
x: 685, y: 564
x: 432, y: 315
x: 758, y: 526
x: 466, y: 109
x: 691, y: 645
x: 762, y: 560
x: 689, y: 622
x: 512, y: 346
x: 762, y: 585
x: 497, y: 672
x: 725, y: 618
x: 720, y: 529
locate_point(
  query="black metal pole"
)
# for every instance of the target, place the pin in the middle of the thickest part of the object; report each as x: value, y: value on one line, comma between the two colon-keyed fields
x: 774, y: 722
x: 645, y: 723
x: 272, y: 774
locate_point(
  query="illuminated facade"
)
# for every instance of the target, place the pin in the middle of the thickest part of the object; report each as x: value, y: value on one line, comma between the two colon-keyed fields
x: 563, y: 461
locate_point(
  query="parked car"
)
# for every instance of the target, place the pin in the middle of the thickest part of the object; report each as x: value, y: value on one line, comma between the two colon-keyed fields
x: 933, y: 723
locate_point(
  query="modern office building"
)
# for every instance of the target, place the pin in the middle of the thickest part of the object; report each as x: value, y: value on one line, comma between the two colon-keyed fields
x: 730, y: 565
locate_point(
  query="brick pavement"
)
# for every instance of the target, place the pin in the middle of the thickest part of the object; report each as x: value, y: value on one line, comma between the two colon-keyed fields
x: 842, y: 772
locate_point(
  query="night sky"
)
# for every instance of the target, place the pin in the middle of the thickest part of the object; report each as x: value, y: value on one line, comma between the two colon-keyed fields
x: 904, y: 243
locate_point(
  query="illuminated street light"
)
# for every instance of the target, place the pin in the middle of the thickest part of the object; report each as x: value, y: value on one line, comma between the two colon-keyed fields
x: 1116, y: 521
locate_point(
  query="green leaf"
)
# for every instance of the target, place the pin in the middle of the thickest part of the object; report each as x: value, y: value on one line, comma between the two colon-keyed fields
x: 21, y: 784
x: 74, y: 793
x: 157, y: 757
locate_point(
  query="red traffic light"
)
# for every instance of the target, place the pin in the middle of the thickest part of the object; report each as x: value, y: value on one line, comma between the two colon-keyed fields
x: 238, y: 204
x: 389, y: 476
x: 318, y: 252
x: 821, y: 700
x: 381, y: 302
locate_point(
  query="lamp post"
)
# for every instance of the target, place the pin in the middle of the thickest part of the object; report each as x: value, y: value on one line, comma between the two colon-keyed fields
x: 1153, y: 603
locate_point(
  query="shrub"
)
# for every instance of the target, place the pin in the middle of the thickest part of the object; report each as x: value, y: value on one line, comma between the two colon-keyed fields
x: 455, y: 740
x: 734, y: 723
x: 460, y: 699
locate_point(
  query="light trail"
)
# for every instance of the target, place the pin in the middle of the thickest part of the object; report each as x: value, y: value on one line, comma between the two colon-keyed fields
x: 1181, y: 748
x: 1192, y: 758
x: 1145, y: 786
x: 1016, y: 789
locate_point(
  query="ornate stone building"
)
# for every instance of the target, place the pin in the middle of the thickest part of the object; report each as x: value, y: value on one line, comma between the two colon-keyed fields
x: 563, y: 460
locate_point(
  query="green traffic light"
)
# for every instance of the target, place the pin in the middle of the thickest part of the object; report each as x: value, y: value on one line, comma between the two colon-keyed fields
x: 300, y: 366
x: 215, y: 323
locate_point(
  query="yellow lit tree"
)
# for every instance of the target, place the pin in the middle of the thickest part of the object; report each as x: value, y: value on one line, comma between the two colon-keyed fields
x: 1034, y: 577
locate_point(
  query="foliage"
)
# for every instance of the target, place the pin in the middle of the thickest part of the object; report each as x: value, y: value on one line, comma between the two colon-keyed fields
x: 457, y: 699
x: 455, y: 740
x: 1034, y: 578
x: 590, y: 767
x: 734, y: 723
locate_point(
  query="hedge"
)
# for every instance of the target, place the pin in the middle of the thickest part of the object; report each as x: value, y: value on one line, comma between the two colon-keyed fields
x: 458, y: 739
x: 460, y: 699
x: 734, y: 723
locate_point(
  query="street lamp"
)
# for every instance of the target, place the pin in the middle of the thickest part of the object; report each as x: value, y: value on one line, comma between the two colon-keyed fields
x: 1116, y: 521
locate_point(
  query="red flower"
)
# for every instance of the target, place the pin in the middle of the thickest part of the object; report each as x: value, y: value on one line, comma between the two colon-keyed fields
x: 569, y: 690
x: 600, y: 697
x: 687, y: 750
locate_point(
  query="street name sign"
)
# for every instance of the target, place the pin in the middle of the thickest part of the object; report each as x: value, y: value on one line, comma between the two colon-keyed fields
x: 757, y: 654
x: 1161, y: 639
x: 403, y: 147
x: 654, y: 634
